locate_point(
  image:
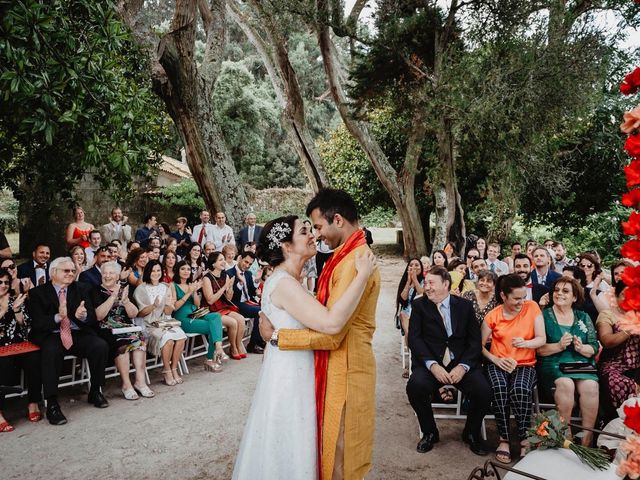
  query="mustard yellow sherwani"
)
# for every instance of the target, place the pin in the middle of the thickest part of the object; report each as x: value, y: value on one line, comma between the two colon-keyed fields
x: 351, y: 374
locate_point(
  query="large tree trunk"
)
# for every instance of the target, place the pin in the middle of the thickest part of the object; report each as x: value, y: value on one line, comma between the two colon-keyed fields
x: 275, y: 57
x: 186, y: 92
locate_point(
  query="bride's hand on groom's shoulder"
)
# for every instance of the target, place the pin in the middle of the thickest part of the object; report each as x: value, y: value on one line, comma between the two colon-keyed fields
x: 366, y: 263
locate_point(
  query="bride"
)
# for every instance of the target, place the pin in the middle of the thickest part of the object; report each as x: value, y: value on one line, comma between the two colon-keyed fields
x: 279, y: 439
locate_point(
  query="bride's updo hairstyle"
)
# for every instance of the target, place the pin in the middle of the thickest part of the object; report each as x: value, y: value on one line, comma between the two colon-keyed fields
x: 273, y: 235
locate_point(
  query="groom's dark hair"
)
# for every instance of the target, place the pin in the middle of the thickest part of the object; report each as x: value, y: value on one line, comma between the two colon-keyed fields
x: 331, y: 201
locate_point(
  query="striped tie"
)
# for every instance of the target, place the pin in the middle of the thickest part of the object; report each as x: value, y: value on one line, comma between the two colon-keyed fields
x: 65, y: 323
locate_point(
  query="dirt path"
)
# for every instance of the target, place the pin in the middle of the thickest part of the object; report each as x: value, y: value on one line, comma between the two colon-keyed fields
x: 192, y: 431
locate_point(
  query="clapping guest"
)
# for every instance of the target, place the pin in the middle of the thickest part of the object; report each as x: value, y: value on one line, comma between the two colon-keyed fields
x: 168, y: 267
x: 188, y: 300
x: 194, y: 260
x: 411, y: 286
x: 18, y: 285
x: 78, y: 230
x: 483, y: 296
x: 516, y: 328
x: 459, y: 283
x: 115, y: 310
x: 79, y: 257
x: 63, y: 320
x: 37, y: 269
x: 593, y: 301
x: 147, y: 231
x: 136, y: 261
x: 570, y: 338
x: 217, y: 288
x: 155, y: 302
x: 14, y: 328
x: 230, y: 253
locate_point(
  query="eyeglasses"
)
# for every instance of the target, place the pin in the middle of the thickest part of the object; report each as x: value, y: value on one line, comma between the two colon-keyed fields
x: 68, y: 270
x: 582, y: 265
x: 5, y: 282
x: 472, y: 257
x: 10, y: 267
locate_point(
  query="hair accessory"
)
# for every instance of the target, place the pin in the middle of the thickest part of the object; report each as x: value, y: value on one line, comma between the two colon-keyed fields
x: 277, y: 233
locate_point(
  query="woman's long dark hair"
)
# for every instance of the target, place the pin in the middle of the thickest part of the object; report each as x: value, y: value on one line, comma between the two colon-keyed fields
x: 400, y: 303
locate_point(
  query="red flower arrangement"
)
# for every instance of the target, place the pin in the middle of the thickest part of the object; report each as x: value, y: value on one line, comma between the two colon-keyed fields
x: 632, y: 145
x: 631, y: 82
x: 632, y: 172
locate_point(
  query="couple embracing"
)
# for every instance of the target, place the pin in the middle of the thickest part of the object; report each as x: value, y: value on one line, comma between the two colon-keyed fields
x: 312, y: 415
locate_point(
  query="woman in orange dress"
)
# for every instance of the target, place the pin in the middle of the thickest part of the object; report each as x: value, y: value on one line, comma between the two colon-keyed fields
x: 79, y: 230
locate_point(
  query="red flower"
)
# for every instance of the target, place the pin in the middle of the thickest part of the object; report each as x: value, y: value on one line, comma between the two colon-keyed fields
x: 632, y: 145
x: 632, y: 417
x: 631, y: 82
x: 631, y: 250
x: 631, y: 276
x: 631, y: 299
x: 632, y: 172
x: 632, y: 198
x: 632, y: 227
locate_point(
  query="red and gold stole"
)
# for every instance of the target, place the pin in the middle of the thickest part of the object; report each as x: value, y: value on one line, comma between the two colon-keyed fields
x: 322, y: 356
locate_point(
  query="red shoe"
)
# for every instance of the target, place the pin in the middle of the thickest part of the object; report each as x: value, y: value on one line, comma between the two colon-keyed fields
x: 236, y: 357
x: 34, y: 416
x: 5, y: 427
x: 243, y: 355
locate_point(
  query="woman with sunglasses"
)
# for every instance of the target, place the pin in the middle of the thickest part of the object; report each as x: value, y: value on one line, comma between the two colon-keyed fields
x: 14, y: 328
x: 594, y: 300
x: 18, y: 285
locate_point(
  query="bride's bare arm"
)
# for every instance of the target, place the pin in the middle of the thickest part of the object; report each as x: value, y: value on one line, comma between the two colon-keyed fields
x: 291, y: 296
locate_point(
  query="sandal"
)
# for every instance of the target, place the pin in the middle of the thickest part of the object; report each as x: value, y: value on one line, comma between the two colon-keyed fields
x: 405, y: 373
x: 34, y: 416
x: 448, y: 394
x: 213, y: 366
x: 176, y: 377
x: 145, y: 391
x: 171, y: 382
x: 5, y: 427
x: 130, y: 394
x: 503, y: 456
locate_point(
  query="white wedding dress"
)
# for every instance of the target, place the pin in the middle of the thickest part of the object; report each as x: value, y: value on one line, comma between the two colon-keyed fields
x: 279, y: 440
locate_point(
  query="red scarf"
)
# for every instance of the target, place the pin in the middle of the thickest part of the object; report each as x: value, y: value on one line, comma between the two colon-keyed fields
x: 322, y: 356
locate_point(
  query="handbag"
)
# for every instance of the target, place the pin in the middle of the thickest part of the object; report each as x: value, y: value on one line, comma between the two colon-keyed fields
x: 199, y: 313
x: 577, y: 367
x: 166, y: 324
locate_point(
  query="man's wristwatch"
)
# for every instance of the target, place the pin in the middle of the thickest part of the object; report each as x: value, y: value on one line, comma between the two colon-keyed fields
x: 274, y: 338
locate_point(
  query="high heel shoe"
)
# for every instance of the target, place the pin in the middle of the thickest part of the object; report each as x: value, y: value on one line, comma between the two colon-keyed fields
x: 212, y: 366
x: 219, y: 357
x: 171, y: 382
x: 223, y: 357
x: 176, y: 377
x: 34, y: 416
x: 236, y: 357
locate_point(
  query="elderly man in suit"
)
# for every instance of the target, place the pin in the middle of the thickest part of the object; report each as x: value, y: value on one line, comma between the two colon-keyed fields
x: 250, y: 233
x: 37, y: 269
x: 444, y: 338
x: 63, y: 321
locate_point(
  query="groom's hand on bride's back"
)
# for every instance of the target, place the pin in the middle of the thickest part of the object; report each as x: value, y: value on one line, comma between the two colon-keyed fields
x: 266, y: 327
x: 366, y: 263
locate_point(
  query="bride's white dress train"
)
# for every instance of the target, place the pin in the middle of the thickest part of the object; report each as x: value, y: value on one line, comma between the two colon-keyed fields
x: 279, y: 440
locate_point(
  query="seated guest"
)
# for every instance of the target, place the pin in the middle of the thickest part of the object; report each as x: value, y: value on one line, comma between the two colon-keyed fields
x: 617, y: 268
x: 561, y: 259
x: 426, y: 264
x: 472, y: 255
x: 155, y: 301
x: 208, y: 249
x: 188, y: 301
x: 194, y: 260
x: 93, y: 276
x: 458, y: 271
x: 543, y: 272
x: 147, y: 231
x: 136, y: 261
x: 516, y: 248
x: 574, y: 271
x: 230, y: 253
x: 171, y: 246
x: 411, y: 285
x: 94, y: 244
x: 63, y: 321
x: 516, y: 328
x: 132, y: 246
x: 168, y: 267
x: 595, y: 300
x: 164, y: 233
x: 115, y: 310
x: 244, y: 297
x: 483, y: 296
x: 439, y: 259
x: 522, y: 268
x: 37, y: 269
x: 78, y: 230
x: 217, y: 288
x: 444, y: 338
x: 481, y: 245
x: 182, y: 234
x: 493, y: 264
x: 619, y: 363
x: 115, y: 249
x: 18, y: 285
x: 450, y: 250
x: 14, y: 328
x: 477, y: 266
x: 79, y: 257
x: 570, y: 338
x: 154, y: 253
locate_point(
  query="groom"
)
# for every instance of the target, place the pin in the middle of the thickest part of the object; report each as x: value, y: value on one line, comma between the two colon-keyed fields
x: 344, y: 364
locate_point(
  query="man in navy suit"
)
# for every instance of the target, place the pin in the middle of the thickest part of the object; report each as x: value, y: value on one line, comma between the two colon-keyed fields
x: 37, y: 269
x: 244, y: 297
x: 93, y: 276
x: 444, y: 339
x: 250, y: 233
x: 522, y: 266
x: 543, y: 273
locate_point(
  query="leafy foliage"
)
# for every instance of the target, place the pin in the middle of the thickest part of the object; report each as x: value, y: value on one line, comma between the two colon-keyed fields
x: 183, y: 197
x: 74, y: 98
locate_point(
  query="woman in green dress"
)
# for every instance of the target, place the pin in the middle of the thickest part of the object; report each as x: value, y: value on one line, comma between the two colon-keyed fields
x: 188, y: 301
x: 570, y: 338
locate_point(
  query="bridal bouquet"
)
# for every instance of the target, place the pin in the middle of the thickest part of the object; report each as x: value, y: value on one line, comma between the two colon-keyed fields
x: 551, y: 431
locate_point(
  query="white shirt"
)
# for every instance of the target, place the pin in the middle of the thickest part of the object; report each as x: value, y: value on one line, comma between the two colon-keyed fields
x: 251, y: 231
x: 208, y: 233
x: 40, y: 272
x: 222, y: 236
x: 499, y: 267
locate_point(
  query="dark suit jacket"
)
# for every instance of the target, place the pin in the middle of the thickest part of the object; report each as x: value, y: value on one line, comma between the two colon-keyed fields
x: 537, y: 291
x: 428, y: 336
x: 237, y: 294
x: 92, y: 277
x: 243, y: 236
x: 27, y: 270
x: 43, y: 305
x: 552, y: 276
